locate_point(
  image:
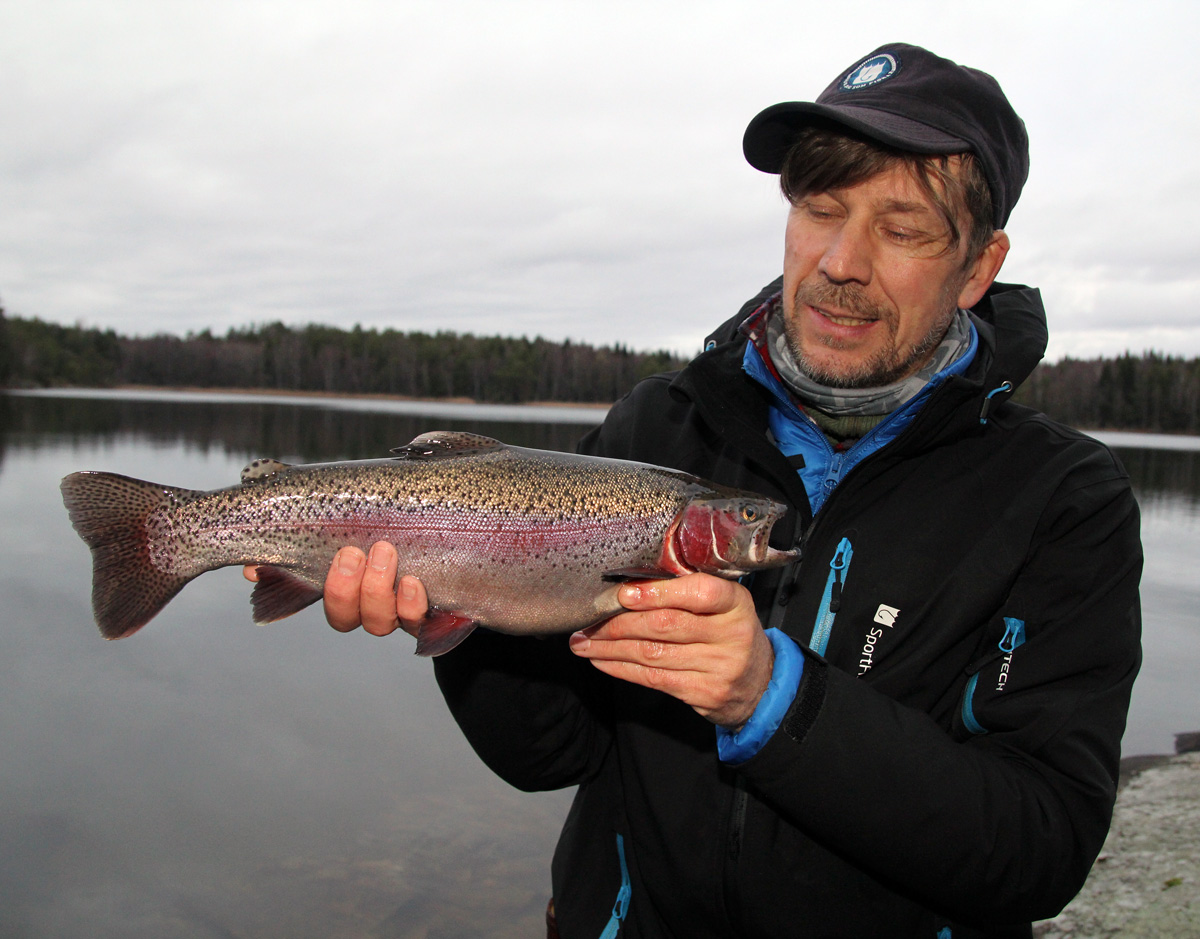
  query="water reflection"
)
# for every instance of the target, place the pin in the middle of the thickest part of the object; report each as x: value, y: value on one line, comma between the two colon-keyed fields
x: 209, y: 778
x: 213, y: 778
x: 1167, y: 477
x: 264, y: 427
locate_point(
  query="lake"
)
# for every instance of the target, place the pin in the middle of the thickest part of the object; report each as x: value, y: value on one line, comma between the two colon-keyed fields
x: 212, y: 778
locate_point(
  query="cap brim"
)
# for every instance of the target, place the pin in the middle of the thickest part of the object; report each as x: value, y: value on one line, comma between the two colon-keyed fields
x: 771, y: 133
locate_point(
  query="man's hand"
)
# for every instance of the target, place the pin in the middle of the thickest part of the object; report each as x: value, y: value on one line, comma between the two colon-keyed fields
x: 695, y: 637
x: 359, y: 589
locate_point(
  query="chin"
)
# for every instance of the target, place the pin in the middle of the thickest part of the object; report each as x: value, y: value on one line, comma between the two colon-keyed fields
x: 840, y: 373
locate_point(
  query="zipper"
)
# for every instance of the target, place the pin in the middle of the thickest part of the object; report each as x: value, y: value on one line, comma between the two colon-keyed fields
x: 833, y: 474
x: 831, y: 600
x: 621, y: 904
x: 737, y: 823
x: 1013, y: 638
x: 733, y: 851
x: 968, y: 713
x: 786, y: 588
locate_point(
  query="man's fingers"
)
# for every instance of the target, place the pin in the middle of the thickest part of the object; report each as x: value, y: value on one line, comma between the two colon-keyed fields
x: 697, y: 638
x: 378, y: 601
x: 696, y: 593
x: 343, y: 584
x: 412, y: 603
x: 635, y: 644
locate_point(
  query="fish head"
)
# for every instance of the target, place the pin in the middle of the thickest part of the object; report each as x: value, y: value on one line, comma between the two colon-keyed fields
x: 728, y: 535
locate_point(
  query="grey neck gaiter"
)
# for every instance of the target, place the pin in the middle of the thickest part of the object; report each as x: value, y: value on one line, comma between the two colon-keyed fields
x: 840, y: 402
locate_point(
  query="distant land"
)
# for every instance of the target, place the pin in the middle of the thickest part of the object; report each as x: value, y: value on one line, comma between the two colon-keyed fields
x: 275, y: 357
x: 1152, y: 392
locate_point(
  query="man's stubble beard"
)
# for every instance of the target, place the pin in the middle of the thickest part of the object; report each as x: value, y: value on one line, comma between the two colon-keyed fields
x: 884, y: 367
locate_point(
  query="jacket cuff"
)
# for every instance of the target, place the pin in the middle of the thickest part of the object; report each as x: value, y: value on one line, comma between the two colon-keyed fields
x: 773, y: 706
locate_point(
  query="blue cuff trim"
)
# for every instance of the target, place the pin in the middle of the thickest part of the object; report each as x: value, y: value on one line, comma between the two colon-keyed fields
x: 772, y: 707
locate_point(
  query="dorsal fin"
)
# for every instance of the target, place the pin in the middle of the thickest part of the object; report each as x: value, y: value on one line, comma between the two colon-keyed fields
x: 442, y: 444
x: 262, y: 468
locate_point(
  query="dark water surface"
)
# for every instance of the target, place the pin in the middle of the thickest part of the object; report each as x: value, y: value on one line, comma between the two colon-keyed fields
x: 212, y: 778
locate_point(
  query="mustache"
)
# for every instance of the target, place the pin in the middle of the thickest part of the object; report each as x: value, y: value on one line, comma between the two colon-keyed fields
x: 849, y: 297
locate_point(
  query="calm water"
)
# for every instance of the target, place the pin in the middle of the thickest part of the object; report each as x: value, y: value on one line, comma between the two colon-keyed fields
x: 212, y: 778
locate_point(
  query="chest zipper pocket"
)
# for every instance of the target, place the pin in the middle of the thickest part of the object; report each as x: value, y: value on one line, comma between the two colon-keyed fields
x: 831, y: 600
x: 1014, y: 637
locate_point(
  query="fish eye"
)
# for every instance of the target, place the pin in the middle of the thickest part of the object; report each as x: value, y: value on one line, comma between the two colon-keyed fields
x: 749, y: 513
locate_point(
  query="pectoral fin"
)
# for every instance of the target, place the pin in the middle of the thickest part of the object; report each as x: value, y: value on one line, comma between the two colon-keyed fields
x: 441, y: 631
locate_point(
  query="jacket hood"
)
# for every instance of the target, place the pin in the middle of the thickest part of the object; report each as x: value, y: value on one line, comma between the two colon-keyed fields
x: 1012, y: 324
x: 1010, y: 319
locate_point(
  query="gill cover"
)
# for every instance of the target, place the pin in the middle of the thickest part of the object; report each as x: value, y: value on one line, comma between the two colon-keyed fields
x: 729, y: 536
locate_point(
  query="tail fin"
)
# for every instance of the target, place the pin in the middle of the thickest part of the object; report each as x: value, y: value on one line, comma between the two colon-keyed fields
x: 109, y: 513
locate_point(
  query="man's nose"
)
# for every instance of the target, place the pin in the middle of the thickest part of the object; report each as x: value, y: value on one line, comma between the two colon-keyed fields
x: 847, y: 256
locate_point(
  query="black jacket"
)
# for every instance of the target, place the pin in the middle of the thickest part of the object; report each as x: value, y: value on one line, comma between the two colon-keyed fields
x: 952, y: 764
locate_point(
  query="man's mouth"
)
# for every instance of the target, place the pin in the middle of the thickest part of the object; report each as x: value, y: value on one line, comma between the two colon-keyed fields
x: 840, y: 319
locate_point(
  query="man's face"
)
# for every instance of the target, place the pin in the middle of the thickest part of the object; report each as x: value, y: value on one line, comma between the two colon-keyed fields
x: 869, y: 286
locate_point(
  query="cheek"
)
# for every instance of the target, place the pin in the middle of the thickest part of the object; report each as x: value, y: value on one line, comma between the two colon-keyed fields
x: 922, y: 296
x: 801, y: 254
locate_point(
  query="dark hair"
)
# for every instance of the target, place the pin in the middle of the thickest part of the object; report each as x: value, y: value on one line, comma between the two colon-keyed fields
x: 822, y: 158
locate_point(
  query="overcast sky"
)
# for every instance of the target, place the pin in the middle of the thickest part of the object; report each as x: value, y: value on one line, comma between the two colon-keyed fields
x: 563, y: 169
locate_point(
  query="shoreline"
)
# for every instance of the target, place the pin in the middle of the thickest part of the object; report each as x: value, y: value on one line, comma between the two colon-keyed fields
x: 1111, y: 436
x: 333, y: 395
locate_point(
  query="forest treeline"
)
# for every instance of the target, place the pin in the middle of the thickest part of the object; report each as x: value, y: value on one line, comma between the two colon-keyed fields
x: 1151, y: 392
x: 326, y: 359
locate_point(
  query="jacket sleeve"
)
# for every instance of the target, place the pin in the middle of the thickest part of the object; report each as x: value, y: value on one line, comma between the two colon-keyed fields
x: 531, y: 710
x: 999, y: 821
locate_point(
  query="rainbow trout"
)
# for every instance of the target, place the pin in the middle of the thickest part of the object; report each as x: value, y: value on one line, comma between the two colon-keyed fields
x: 522, y: 541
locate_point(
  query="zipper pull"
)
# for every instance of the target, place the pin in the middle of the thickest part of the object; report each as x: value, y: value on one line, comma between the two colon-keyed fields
x: 837, y: 565
x: 1014, y: 634
x: 1003, y: 388
x: 834, y: 472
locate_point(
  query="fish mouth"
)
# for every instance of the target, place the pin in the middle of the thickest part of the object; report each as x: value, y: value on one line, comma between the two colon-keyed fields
x: 752, y: 550
x: 761, y: 551
x: 777, y: 557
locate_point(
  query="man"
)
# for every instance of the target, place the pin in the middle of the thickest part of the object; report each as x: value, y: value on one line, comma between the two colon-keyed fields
x: 918, y: 725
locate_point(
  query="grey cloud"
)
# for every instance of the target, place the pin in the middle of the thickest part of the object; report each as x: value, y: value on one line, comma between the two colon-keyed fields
x: 568, y: 171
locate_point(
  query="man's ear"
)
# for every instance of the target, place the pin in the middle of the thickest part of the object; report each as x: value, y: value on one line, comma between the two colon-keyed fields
x: 984, y: 270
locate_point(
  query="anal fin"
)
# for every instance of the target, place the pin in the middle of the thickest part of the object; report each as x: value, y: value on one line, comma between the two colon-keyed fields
x: 279, y: 593
x: 441, y: 631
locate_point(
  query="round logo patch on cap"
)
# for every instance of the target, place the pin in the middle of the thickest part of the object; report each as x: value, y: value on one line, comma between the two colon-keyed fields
x: 876, y: 69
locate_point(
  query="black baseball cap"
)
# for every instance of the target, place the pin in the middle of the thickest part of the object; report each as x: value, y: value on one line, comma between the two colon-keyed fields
x: 908, y: 98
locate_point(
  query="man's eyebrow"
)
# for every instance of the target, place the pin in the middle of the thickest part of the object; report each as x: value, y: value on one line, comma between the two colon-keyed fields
x: 899, y: 205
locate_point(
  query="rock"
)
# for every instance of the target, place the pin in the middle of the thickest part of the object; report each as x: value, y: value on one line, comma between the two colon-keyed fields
x: 1188, y: 743
x: 1146, y: 882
